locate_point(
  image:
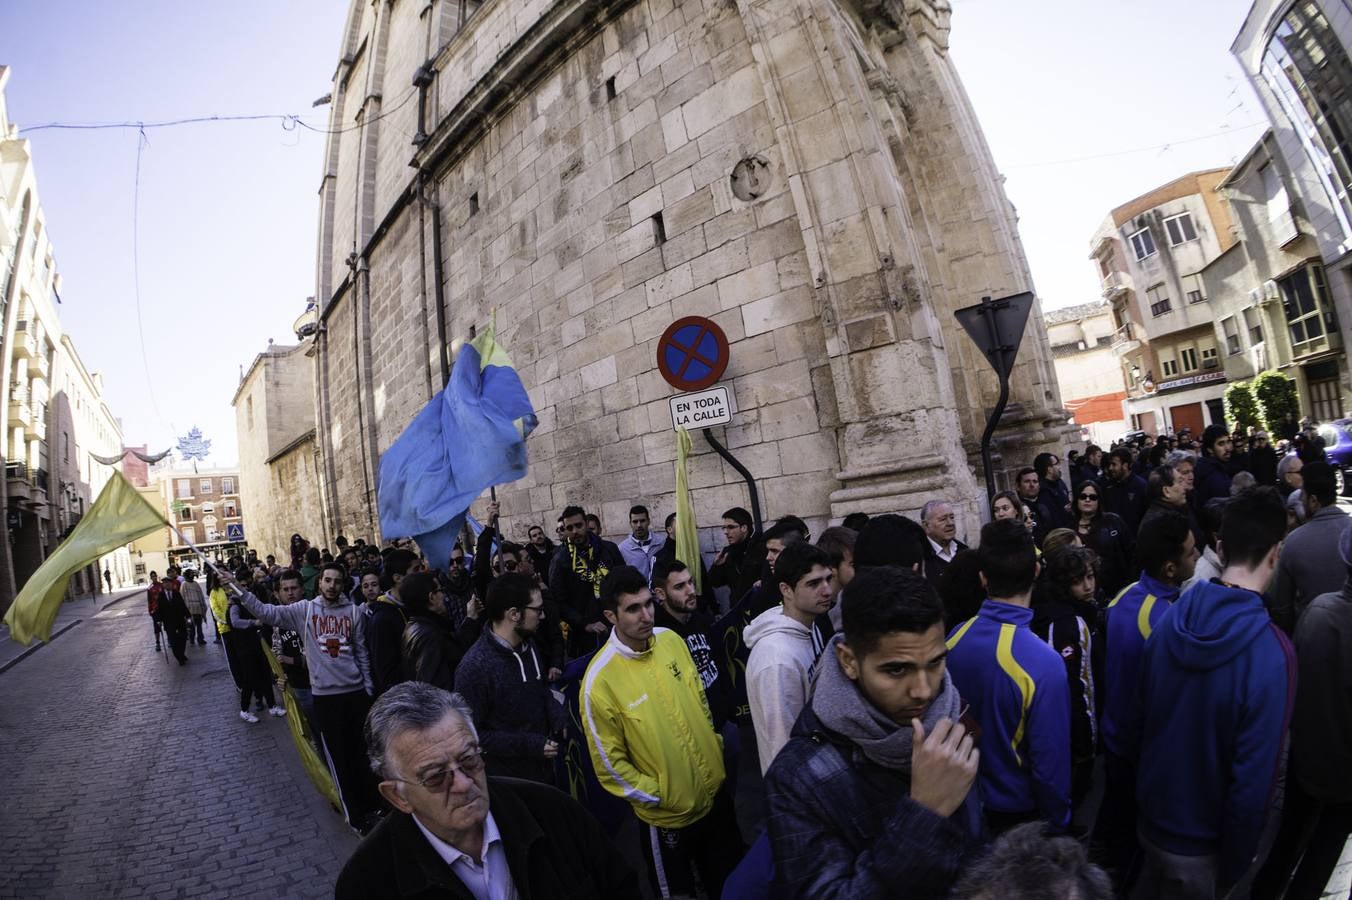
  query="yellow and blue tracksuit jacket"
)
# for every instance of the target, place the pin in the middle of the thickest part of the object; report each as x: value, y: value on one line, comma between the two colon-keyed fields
x: 1016, y: 686
x: 1131, y: 618
x: 649, y: 732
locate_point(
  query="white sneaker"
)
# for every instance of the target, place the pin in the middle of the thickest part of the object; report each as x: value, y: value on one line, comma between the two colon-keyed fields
x: 276, y: 711
x: 248, y: 717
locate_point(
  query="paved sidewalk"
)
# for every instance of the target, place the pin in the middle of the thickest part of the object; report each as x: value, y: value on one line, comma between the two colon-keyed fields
x: 127, y: 775
x: 71, y: 612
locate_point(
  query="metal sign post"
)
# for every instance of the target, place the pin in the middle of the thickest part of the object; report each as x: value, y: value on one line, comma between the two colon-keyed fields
x: 996, y: 326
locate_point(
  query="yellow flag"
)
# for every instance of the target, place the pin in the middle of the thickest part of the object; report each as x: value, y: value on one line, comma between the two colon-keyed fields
x: 687, y: 538
x: 118, y: 516
x: 315, y: 767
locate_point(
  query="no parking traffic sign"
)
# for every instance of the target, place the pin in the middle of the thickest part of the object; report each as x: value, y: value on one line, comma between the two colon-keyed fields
x: 692, y: 353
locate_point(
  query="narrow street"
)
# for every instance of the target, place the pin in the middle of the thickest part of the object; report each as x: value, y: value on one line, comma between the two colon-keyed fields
x: 127, y: 775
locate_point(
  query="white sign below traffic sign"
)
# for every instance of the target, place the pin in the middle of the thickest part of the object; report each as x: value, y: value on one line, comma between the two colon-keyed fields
x: 701, y: 409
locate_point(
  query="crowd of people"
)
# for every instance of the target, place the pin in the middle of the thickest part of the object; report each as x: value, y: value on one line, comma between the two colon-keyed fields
x: 1131, y: 684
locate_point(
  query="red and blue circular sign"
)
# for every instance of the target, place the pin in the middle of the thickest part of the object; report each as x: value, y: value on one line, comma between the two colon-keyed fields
x: 692, y: 353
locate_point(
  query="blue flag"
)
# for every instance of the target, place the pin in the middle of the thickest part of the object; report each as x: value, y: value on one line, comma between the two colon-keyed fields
x: 471, y: 436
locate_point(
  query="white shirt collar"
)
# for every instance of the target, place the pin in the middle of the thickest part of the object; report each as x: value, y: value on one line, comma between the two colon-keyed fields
x: 946, y: 552
x: 452, y: 855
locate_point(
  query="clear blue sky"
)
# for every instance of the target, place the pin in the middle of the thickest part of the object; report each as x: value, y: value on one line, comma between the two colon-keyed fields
x: 228, y: 211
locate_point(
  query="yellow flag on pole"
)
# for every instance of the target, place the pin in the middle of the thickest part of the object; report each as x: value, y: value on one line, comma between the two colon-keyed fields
x: 687, y: 538
x: 118, y: 516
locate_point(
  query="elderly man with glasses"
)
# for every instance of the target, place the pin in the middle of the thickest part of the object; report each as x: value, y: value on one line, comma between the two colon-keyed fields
x: 456, y: 832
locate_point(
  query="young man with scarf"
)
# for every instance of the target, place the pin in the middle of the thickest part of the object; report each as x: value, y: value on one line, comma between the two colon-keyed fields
x: 575, y: 574
x: 872, y: 796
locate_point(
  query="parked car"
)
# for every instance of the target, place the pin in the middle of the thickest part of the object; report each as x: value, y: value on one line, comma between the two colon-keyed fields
x: 1338, y: 446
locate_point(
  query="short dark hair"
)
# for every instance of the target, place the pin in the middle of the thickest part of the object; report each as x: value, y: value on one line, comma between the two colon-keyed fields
x: 1008, y: 558
x: 1024, y: 471
x: 333, y: 567
x: 1211, y: 516
x: 663, y: 567
x: 1122, y: 455
x: 794, y: 523
x: 290, y: 575
x: 738, y: 515
x: 837, y: 541
x: 1029, y: 863
x: 671, y: 517
x: 638, y: 509
x: 783, y: 529
x: 797, y: 560
x: 399, y: 562
x: 539, y: 528
x: 1042, y: 462
x: 593, y: 517
x: 885, y: 599
x: 1318, y: 483
x: 415, y: 591
x: 1161, y: 542
x: 624, y: 580
x: 1160, y: 478
x: 313, y: 557
x: 1211, y: 434
x: 855, y: 520
x: 1065, y: 567
x: 890, y: 540
x: 1092, y: 448
x: 570, y: 511
x: 511, y: 590
x: 1255, y: 522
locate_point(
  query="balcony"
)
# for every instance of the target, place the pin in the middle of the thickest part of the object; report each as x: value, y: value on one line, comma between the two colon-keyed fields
x: 36, y: 429
x: 1115, y: 284
x: 1125, y: 340
x: 39, y: 367
x: 19, y: 484
x: 20, y: 413
x: 25, y: 345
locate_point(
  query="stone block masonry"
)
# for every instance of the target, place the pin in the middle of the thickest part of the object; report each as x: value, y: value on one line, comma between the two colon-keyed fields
x: 602, y: 167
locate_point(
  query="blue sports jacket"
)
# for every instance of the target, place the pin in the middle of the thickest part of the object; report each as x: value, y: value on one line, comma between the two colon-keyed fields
x: 1131, y: 617
x: 1218, y: 683
x: 1016, y: 686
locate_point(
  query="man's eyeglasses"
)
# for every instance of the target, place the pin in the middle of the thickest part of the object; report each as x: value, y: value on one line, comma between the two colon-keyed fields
x: 535, y: 609
x: 1087, y: 496
x: 457, y: 560
x: 471, y: 763
x: 509, y: 565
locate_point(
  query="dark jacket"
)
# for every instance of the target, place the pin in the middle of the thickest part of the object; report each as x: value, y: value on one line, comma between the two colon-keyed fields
x: 1211, y: 478
x: 433, y: 648
x: 554, y: 847
x: 1085, y: 472
x: 385, y: 623
x: 1068, y: 626
x: 172, y: 611
x: 1263, y: 465
x: 1125, y: 499
x: 514, y: 709
x: 1321, y: 729
x: 696, y: 634
x: 578, y: 598
x: 842, y: 826
x: 1309, y: 566
x: 740, y: 568
x: 1217, y: 687
x: 1110, y: 538
x: 934, y: 566
x: 540, y: 558
x: 1052, y: 499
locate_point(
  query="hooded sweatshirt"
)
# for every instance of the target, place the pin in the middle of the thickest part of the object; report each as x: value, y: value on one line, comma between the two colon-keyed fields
x: 334, y: 640
x: 777, y: 675
x: 1217, y: 686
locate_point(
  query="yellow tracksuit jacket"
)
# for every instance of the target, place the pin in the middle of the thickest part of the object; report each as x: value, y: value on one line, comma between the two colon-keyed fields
x: 649, y: 731
x: 220, y: 609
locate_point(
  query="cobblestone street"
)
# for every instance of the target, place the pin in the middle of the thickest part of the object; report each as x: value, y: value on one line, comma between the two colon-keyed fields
x: 127, y: 775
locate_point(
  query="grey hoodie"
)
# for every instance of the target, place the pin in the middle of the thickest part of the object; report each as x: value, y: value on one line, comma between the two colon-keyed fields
x: 334, y: 637
x: 777, y: 673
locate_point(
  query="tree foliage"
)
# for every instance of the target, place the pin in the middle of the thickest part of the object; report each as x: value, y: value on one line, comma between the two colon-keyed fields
x: 1276, y: 396
x: 1241, y: 407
